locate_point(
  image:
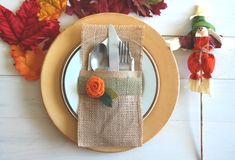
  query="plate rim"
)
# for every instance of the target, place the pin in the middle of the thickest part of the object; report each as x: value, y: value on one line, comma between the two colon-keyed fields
x: 169, y: 78
x: 72, y: 54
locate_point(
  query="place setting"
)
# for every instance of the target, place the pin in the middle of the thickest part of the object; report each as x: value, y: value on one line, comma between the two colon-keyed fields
x: 109, y: 86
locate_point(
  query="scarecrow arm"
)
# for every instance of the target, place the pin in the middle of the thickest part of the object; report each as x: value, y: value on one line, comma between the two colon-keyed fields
x: 215, y: 43
x: 186, y: 42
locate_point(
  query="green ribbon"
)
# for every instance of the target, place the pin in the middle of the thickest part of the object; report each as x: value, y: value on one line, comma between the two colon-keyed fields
x: 123, y: 86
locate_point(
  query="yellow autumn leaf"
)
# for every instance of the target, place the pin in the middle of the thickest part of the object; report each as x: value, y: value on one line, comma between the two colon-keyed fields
x: 51, y: 9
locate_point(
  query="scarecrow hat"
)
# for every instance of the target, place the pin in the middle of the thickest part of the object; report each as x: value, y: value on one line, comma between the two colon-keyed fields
x: 199, y: 20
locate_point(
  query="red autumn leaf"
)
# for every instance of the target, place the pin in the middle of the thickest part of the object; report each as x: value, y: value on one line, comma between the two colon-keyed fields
x: 74, y: 8
x: 141, y: 7
x: 55, y: 30
x: 10, y: 26
x: 83, y: 8
x: 145, y: 8
x: 24, y: 28
x: 124, y: 6
x: 155, y: 9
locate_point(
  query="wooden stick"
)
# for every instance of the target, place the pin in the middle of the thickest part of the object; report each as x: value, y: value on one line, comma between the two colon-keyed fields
x: 201, y: 126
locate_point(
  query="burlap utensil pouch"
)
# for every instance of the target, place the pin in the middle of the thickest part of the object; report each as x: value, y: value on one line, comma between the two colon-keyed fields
x: 121, y: 124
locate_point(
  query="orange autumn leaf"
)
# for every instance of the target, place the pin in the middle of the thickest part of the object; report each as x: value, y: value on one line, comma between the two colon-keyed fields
x: 16, y: 51
x: 28, y: 63
x: 51, y: 9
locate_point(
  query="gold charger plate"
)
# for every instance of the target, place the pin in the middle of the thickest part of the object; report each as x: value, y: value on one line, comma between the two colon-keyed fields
x: 70, y: 38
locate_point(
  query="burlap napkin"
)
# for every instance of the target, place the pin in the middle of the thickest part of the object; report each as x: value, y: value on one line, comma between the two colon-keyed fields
x: 121, y: 124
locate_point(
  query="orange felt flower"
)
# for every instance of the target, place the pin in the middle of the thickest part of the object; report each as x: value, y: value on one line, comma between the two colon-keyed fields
x: 28, y: 63
x: 51, y: 9
x: 95, y: 87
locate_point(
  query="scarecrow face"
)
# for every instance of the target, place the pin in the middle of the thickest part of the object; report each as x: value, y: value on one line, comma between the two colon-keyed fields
x: 202, y: 32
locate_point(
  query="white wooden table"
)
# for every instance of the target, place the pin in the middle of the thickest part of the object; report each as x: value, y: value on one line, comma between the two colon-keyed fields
x: 26, y: 131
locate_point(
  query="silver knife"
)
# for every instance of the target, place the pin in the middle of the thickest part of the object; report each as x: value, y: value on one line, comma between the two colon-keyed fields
x: 113, y: 48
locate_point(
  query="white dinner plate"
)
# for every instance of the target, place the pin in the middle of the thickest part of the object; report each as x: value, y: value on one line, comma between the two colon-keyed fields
x: 70, y: 75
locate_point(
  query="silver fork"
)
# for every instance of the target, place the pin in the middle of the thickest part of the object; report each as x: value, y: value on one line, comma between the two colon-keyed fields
x: 126, y: 60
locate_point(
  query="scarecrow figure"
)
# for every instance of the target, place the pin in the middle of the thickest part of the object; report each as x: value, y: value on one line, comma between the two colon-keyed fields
x: 201, y: 40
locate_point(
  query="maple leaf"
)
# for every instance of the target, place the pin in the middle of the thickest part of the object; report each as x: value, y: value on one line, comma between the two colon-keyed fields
x: 10, y: 26
x: 28, y: 63
x: 124, y: 6
x: 142, y: 7
x: 25, y: 29
x: 52, y: 35
x: 148, y: 7
x: 51, y: 9
x: 155, y: 8
x: 83, y: 8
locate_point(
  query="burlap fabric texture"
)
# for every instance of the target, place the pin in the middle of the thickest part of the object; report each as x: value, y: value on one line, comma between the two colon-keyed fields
x: 121, y: 124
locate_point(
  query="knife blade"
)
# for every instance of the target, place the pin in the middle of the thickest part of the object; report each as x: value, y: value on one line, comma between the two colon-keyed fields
x: 113, y: 48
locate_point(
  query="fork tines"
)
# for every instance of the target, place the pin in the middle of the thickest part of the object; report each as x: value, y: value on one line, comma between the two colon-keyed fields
x: 124, y: 52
